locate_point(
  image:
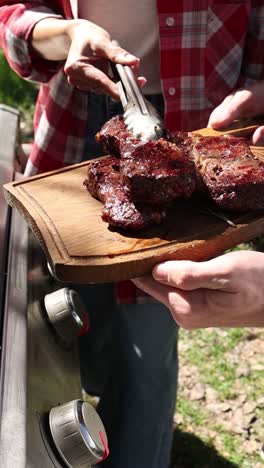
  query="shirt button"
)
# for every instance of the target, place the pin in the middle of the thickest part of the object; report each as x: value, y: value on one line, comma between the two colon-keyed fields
x: 170, y: 21
x: 172, y: 91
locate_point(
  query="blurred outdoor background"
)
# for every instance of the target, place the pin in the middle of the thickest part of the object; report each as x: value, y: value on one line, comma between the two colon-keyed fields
x: 219, y: 420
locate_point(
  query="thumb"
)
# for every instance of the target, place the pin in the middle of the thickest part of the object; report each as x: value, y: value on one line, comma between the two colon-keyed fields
x: 188, y: 276
x: 113, y: 52
x: 235, y: 106
x: 258, y: 136
x: 103, y: 47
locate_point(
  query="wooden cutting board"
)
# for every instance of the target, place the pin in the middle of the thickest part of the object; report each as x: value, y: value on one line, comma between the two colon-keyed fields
x: 81, y: 248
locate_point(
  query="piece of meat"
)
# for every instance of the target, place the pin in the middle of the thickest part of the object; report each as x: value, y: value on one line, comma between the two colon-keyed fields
x: 157, y: 172
x: 180, y: 139
x: 230, y: 173
x: 137, y: 189
x: 112, y: 135
x: 103, y: 182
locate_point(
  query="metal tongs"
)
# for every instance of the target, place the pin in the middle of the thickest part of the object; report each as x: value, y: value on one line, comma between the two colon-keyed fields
x: 140, y: 116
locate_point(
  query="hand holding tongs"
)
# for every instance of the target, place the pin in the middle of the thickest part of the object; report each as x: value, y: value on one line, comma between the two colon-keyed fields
x: 140, y: 116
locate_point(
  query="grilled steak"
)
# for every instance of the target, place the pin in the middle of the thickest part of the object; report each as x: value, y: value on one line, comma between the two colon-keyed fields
x: 156, y: 172
x: 181, y: 139
x: 112, y: 135
x: 137, y: 188
x: 103, y: 182
x: 230, y: 173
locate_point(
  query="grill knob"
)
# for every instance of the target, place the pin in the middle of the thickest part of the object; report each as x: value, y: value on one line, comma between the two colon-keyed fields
x: 78, y: 434
x: 67, y: 313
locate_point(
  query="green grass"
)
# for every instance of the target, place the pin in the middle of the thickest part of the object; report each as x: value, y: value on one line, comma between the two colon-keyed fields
x: 192, y: 414
x: 14, y: 91
x: 209, y: 351
x: 210, y: 348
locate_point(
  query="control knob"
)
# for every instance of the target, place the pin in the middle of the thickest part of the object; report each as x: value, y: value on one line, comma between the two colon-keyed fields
x: 78, y: 434
x: 66, y: 313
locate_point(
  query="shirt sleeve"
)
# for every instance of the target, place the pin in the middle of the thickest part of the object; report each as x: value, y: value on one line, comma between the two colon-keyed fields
x: 17, y: 21
x: 253, y: 61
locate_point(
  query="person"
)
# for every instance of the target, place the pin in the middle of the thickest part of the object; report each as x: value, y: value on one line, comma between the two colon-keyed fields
x: 226, y: 291
x: 193, y: 55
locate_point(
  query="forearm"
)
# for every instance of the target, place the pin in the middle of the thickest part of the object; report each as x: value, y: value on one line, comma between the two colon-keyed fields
x: 51, y: 38
x: 17, y: 23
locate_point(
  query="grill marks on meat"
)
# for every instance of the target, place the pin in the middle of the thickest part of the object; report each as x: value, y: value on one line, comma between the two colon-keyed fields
x: 103, y: 182
x: 152, y: 175
x: 231, y: 174
x: 156, y: 172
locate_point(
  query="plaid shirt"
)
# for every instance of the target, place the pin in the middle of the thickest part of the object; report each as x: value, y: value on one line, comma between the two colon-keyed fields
x: 207, y: 50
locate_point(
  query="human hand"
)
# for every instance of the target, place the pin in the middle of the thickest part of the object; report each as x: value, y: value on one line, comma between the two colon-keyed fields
x: 226, y: 291
x: 87, y: 62
x: 242, y: 103
x: 86, y: 49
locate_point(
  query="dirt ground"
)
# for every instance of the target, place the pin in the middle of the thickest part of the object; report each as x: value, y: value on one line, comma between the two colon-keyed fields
x: 219, y: 420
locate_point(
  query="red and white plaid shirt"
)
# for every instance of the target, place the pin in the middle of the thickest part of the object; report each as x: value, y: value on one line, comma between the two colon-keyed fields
x: 207, y: 49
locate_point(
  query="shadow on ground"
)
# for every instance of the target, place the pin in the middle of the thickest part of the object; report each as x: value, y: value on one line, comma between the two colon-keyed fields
x: 188, y: 451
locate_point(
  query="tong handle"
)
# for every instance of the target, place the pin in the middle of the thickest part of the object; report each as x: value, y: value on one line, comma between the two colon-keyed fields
x: 133, y: 92
x: 128, y: 88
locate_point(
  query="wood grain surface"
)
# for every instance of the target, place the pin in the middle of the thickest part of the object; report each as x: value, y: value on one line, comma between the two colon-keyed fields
x: 81, y: 248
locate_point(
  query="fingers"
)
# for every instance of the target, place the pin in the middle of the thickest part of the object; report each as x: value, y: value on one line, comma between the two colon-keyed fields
x: 237, y: 105
x: 258, y: 136
x: 187, y: 275
x: 224, y: 292
x: 112, y: 51
x: 154, y: 289
x: 245, y: 102
x: 82, y: 73
x: 86, y: 77
x: 226, y: 272
x: 115, y: 53
x: 177, y: 301
x: 141, y: 81
x: 188, y: 309
x: 90, y: 50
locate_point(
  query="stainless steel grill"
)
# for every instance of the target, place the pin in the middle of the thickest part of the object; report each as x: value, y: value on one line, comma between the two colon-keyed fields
x: 39, y: 359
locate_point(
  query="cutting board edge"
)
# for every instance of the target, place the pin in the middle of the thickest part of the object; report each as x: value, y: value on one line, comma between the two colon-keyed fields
x: 12, y: 197
x: 228, y: 237
x: 44, y: 175
x: 108, y: 269
x: 133, y: 264
x: 98, y: 273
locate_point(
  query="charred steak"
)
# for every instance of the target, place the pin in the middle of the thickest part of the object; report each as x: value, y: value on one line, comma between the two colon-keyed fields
x: 232, y: 176
x: 103, y: 182
x: 137, y: 188
x: 112, y: 135
x: 156, y: 172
